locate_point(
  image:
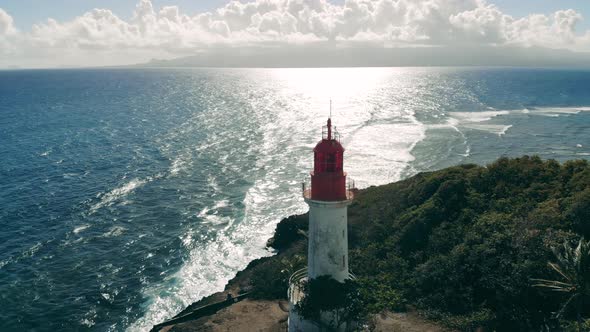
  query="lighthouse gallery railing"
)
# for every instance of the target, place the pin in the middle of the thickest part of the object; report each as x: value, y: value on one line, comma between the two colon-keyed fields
x: 350, y: 189
x: 296, y: 282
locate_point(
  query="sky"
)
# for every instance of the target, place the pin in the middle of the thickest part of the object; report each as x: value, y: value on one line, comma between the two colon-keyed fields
x: 64, y: 33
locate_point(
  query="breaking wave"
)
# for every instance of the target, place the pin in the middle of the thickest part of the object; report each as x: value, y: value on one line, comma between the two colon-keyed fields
x: 117, y: 194
x: 479, y: 120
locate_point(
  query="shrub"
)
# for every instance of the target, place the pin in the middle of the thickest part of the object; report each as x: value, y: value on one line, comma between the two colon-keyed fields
x: 325, y: 297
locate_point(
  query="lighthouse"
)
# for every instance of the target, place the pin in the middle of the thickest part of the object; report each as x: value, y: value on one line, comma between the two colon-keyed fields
x: 328, y: 199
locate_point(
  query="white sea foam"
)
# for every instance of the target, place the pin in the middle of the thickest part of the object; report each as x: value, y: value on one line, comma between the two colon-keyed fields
x: 177, y: 165
x: 203, y: 212
x: 558, y: 111
x: 221, y: 204
x: 212, y: 182
x: 28, y: 253
x: 391, y: 143
x: 499, y: 130
x: 467, y: 151
x: 90, y: 317
x: 216, y: 220
x: 87, y: 322
x: 210, y: 215
x: 474, y: 117
x: 81, y: 228
x: 114, y: 231
x: 504, y: 130
x: 32, y: 250
x: 476, y: 121
x: 119, y: 193
x: 45, y: 153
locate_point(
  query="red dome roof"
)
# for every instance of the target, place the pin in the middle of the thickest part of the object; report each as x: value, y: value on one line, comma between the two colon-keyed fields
x: 328, y: 146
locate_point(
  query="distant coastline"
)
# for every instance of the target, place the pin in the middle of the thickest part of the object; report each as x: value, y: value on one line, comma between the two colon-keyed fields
x: 362, y: 57
x: 324, y: 57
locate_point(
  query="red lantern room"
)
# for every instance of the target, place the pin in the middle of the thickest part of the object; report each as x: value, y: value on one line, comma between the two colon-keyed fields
x: 328, y: 179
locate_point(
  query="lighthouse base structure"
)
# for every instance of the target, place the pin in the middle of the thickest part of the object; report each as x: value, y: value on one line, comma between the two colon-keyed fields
x: 297, y: 323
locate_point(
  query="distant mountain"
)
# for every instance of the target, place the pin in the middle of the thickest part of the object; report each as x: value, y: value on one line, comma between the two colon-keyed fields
x: 323, y: 56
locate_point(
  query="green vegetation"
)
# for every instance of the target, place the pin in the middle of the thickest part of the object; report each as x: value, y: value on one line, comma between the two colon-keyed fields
x: 271, y: 277
x: 342, y: 301
x: 463, y: 244
x: 573, y: 267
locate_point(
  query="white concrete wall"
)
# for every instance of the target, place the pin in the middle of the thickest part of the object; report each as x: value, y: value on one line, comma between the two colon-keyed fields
x: 328, y: 239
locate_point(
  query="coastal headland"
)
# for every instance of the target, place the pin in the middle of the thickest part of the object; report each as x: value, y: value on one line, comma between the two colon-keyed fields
x: 453, y: 249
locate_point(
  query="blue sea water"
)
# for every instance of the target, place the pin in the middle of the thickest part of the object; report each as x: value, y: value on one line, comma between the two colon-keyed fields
x: 127, y: 194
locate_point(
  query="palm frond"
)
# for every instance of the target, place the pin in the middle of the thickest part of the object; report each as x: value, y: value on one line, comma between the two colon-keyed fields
x: 573, y: 267
x: 559, y: 270
x: 554, y: 285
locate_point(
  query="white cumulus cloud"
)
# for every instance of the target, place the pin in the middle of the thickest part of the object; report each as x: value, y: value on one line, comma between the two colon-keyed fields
x: 7, y: 32
x: 101, y: 37
x: 6, y: 23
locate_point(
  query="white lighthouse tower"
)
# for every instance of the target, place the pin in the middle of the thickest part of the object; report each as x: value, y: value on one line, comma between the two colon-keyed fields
x: 328, y: 200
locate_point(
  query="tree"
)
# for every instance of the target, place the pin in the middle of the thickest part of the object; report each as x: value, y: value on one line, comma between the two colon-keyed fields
x: 331, y: 304
x: 573, y: 266
x: 270, y: 279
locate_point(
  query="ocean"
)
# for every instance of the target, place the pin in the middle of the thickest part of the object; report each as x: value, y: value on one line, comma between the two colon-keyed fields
x: 128, y: 194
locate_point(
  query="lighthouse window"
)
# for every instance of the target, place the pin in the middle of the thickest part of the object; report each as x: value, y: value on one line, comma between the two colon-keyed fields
x: 331, y: 163
x: 343, y: 234
x: 343, y: 262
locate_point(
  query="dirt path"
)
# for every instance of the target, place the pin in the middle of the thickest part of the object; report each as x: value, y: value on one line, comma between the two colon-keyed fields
x: 405, y: 322
x: 248, y: 315
x: 271, y: 316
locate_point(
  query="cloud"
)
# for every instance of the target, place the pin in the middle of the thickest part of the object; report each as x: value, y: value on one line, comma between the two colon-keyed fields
x: 484, y: 24
x: 6, y: 24
x: 7, y: 32
x: 167, y: 32
x: 556, y: 31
